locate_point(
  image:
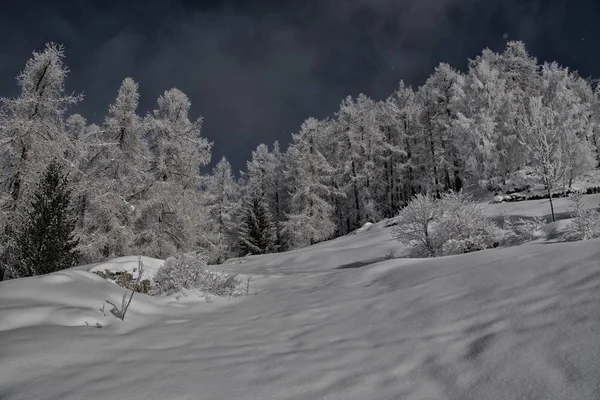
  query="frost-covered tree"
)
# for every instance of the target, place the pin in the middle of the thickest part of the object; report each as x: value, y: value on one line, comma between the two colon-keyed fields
x: 399, y: 124
x: 222, y: 202
x: 553, y: 129
x: 259, y: 170
x: 360, y: 144
x: 170, y: 218
x: 541, y: 135
x: 452, y: 224
x: 482, y: 106
x: 564, y: 93
x: 32, y: 130
x: 257, y: 232
x: 278, y: 199
x: 521, y: 74
x: 46, y: 242
x: 310, y: 219
x: 116, y: 177
x: 440, y: 157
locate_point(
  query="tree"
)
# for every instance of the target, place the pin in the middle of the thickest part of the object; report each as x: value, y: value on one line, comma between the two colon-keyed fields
x: 311, y: 214
x: 540, y: 134
x: 361, y: 142
x: 399, y: 117
x: 480, y: 114
x: 553, y: 129
x: 257, y: 234
x: 452, y: 224
x: 439, y: 98
x: 170, y: 218
x: 221, y: 199
x: 32, y: 128
x: 116, y: 177
x: 32, y: 131
x: 46, y: 242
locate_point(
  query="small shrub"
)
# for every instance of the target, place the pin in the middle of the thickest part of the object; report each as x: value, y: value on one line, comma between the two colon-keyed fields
x: 584, y: 224
x: 120, y: 312
x: 188, y: 271
x: 521, y: 230
x: 390, y: 255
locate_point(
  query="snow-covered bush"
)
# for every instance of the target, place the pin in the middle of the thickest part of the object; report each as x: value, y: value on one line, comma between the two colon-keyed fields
x: 585, y: 224
x: 188, y: 271
x: 521, y: 230
x: 451, y: 225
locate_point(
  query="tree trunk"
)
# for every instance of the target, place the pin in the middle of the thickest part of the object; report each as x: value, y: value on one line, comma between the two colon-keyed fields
x: 435, y: 172
x: 356, y: 196
x: 551, y: 204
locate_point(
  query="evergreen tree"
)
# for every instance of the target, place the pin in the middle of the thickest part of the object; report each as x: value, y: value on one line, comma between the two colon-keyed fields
x: 257, y: 234
x: 46, y: 242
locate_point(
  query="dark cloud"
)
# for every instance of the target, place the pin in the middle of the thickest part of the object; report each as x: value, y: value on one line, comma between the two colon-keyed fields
x: 256, y: 69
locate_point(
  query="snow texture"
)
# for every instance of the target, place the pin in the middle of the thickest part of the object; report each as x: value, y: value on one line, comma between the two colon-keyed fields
x: 335, y: 320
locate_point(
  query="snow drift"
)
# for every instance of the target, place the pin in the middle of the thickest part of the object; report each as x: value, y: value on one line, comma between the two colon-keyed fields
x: 337, y: 320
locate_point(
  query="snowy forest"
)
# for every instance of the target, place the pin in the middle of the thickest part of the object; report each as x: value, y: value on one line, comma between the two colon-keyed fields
x: 139, y: 184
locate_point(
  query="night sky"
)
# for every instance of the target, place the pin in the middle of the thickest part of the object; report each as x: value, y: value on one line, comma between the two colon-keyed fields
x: 255, y: 69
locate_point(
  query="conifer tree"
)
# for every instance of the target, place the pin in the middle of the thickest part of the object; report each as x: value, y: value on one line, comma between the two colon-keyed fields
x: 257, y: 234
x: 46, y: 242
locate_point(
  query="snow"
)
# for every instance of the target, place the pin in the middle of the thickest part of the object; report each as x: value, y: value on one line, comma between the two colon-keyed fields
x: 333, y: 321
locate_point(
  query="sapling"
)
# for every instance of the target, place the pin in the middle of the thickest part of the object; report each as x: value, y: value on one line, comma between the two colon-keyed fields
x: 127, y: 297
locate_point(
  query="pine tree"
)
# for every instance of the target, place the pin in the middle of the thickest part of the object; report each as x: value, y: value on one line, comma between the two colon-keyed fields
x: 46, y: 243
x: 257, y: 234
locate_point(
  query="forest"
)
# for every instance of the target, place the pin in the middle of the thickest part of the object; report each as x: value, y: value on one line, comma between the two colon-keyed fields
x: 139, y: 184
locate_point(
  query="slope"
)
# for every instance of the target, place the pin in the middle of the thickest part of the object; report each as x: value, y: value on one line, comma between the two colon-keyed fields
x: 511, y: 323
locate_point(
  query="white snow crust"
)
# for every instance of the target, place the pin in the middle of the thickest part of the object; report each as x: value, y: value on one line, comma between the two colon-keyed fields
x: 338, y: 320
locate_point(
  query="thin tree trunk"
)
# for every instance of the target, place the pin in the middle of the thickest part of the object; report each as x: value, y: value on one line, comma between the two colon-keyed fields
x: 551, y: 204
x: 435, y: 173
x: 356, y: 196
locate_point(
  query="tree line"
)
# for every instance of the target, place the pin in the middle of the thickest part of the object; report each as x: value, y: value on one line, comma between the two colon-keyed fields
x: 139, y: 185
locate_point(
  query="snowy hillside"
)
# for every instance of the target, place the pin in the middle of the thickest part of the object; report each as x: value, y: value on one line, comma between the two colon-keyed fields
x: 336, y: 321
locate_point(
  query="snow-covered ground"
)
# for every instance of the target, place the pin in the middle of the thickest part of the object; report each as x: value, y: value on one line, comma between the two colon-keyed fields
x: 333, y: 321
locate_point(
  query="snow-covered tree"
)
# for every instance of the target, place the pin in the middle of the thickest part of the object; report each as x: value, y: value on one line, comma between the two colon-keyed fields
x: 222, y: 202
x: 46, y: 242
x: 170, y: 217
x: 32, y: 131
x: 278, y: 199
x: 360, y: 143
x: 451, y: 224
x: 399, y: 124
x: 116, y: 177
x: 257, y: 231
x: 439, y: 98
x: 554, y: 130
x: 541, y: 135
x: 479, y: 117
x: 310, y: 219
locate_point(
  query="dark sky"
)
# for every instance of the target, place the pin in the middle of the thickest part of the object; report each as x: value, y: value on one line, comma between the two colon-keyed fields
x: 255, y: 69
